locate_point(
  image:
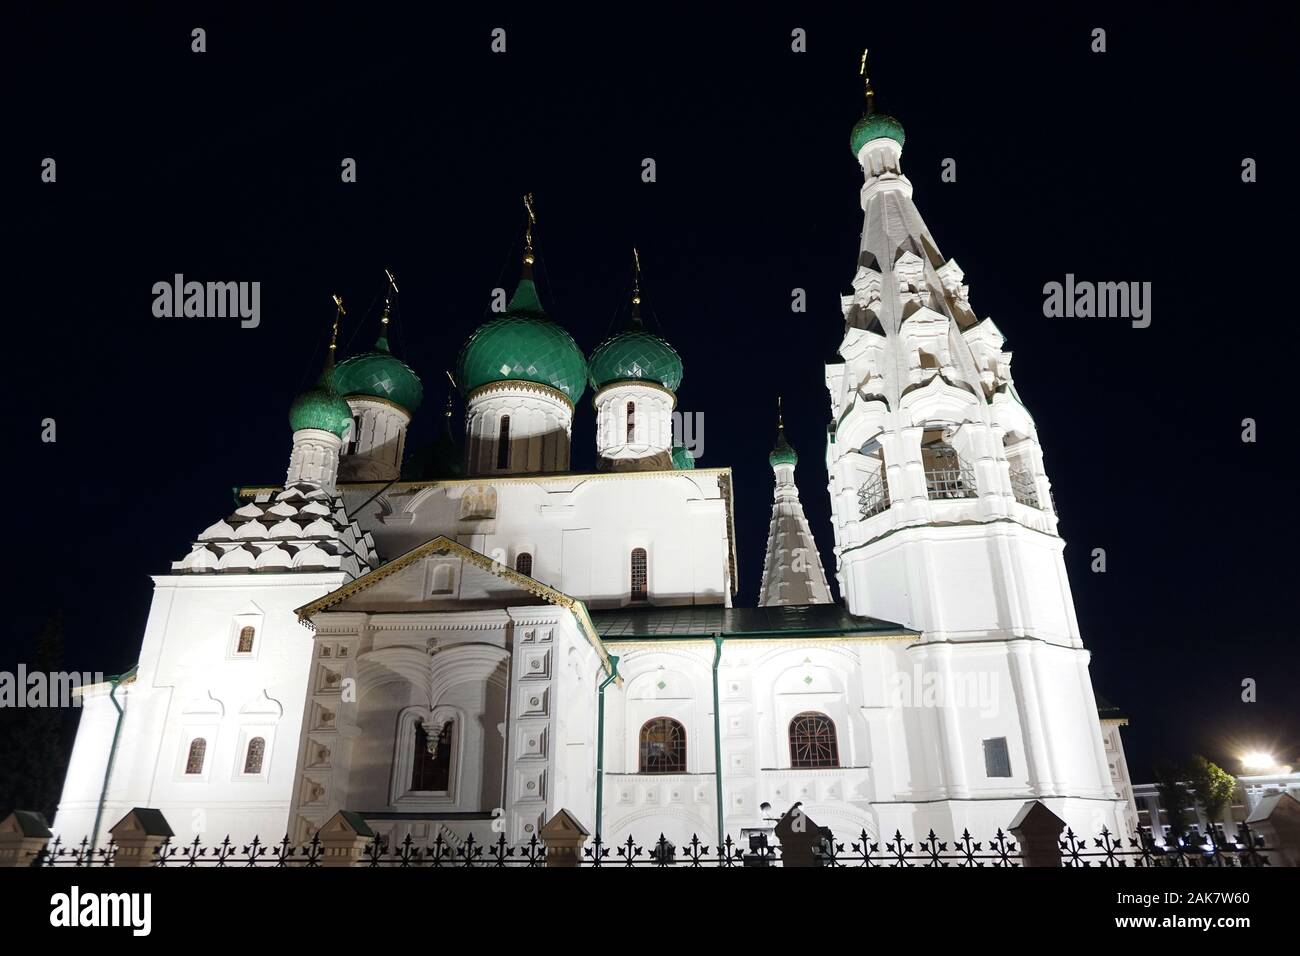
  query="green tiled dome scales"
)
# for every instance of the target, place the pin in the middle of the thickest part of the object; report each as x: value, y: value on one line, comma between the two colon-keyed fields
x: 523, y: 344
x: 380, y: 374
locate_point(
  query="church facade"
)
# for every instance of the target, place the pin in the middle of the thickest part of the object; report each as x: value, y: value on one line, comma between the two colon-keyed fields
x: 469, y: 639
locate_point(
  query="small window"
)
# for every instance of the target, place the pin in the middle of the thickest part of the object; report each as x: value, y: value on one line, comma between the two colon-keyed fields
x: 354, y: 439
x: 524, y: 563
x: 431, y: 769
x: 997, y: 762
x: 640, y: 582
x: 198, y: 749
x: 813, y: 742
x: 256, y: 751
x: 503, y: 443
x: 245, y: 645
x: 631, y: 421
x: 663, y: 746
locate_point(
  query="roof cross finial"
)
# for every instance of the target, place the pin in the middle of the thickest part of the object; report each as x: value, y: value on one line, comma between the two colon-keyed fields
x: 866, y: 83
x: 779, y: 423
x: 528, y: 229
x: 388, y: 300
x: 339, y: 312
x: 636, y: 282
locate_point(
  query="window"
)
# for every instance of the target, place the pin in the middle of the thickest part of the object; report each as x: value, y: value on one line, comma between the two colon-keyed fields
x: 524, y: 563
x: 997, y: 762
x: 813, y: 742
x: 503, y: 443
x: 256, y: 751
x: 194, y: 763
x: 663, y: 746
x: 245, y: 645
x: 355, y: 438
x: 947, y: 475
x: 639, y: 579
x: 631, y: 421
x: 432, y: 766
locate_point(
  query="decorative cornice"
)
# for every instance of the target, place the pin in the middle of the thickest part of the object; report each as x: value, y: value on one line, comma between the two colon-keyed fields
x: 444, y: 545
x: 519, y: 385
x: 633, y: 383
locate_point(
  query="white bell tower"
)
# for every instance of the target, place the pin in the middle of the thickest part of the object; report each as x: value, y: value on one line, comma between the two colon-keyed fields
x: 943, y: 514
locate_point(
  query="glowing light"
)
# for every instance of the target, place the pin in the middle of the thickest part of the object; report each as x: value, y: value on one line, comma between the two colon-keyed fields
x: 1258, y: 760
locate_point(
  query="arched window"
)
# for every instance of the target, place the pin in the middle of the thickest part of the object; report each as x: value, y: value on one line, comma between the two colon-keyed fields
x: 431, y: 769
x: 947, y: 474
x: 256, y: 751
x: 198, y: 749
x: 524, y: 563
x: 663, y: 746
x: 640, y: 581
x: 503, y: 443
x: 354, y: 439
x: 812, y: 741
x: 245, y: 640
x: 631, y: 420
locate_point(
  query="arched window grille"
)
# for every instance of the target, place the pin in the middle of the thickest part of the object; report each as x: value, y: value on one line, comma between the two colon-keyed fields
x: 813, y: 742
x: 946, y: 474
x: 663, y: 746
x: 198, y: 750
x: 246, y: 635
x: 256, y: 752
x: 503, y: 443
x: 640, y: 579
x: 524, y: 563
x: 631, y: 421
x: 431, y: 769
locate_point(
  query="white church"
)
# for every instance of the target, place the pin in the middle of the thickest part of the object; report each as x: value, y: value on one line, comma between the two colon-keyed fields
x: 469, y: 639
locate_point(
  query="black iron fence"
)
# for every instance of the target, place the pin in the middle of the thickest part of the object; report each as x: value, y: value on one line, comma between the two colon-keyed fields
x: 1193, y: 849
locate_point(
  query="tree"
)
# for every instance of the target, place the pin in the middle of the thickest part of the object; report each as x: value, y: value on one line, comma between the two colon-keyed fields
x: 32, y: 758
x: 1174, y: 794
x: 1213, y: 785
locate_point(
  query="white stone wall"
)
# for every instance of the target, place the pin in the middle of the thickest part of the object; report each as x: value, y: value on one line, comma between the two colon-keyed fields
x: 541, y: 422
x: 376, y: 441
x: 652, y: 424
x: 579, y: 529
x: 192, y: 682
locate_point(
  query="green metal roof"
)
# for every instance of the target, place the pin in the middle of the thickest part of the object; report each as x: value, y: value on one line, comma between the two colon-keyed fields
x: 782, y: 453
x: 875, y: 126
x: 379, y: 374
x: 683, y: 460
x: 523, y: 344
x: 636, y: 355
x: 701, y: 621
x: 320, y: 407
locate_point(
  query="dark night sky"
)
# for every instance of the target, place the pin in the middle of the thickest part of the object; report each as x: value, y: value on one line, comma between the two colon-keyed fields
x: 1119, y: 166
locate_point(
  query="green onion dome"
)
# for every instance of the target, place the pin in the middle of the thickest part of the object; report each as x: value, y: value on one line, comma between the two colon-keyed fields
x: 379, y: 374
x: 782, y: 454
x: 523, y: 344
x: 635, y: 355
x: 320, y: 407
x: 682, y: 459
x: 875, y: 126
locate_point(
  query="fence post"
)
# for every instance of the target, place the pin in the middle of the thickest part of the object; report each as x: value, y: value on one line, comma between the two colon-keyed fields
x: 344, y: 838
x: 1277, y: 819
x: 138, y: 835
x: 564, y: 837
x: 23, y: 835
x: 802, y: 840
x: 1038, y: 831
